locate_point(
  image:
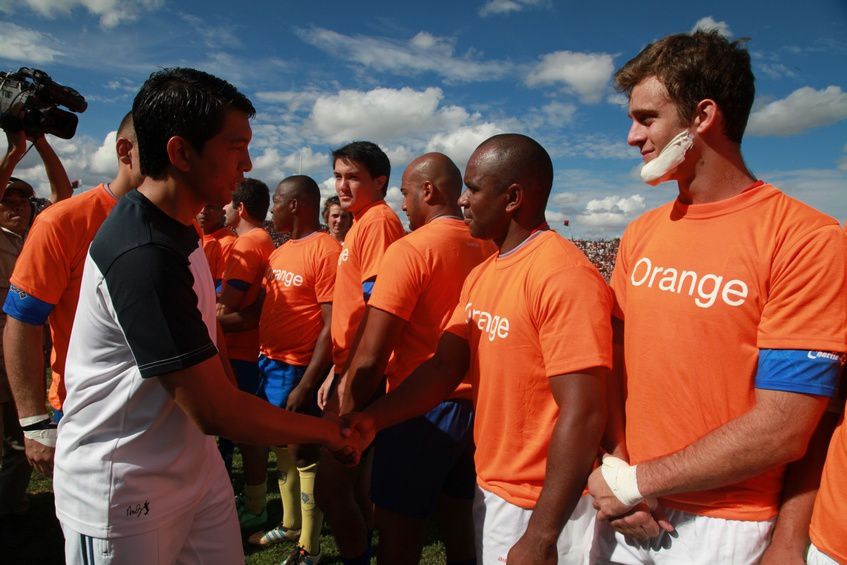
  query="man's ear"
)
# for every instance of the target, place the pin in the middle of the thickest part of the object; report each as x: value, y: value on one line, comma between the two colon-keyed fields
x: 428, y: 192
x: 179, y: 153
x: 706, y: 115
x: 514, y: 197
x: 123, y: 146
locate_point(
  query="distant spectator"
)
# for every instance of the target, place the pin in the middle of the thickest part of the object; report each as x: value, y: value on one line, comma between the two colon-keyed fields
x: 338, y: 221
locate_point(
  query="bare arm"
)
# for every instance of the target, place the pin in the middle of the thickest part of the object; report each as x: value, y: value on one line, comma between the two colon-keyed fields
x: 60, y: 185
x: 318, y: 364
x: 239, y: 320
x: 205, y: 394
x: 15, y: 151
x: 573, y: 449
x: 22, y: 348
x: 774, y: 432
x: 802, y: 479
x: 376, y: 342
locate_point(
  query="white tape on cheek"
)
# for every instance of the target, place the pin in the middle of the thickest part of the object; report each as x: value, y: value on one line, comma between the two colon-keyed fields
x: 44, y: 437
x: 622, y: 481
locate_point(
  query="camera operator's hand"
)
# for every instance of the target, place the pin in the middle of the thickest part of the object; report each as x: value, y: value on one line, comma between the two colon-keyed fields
x: 15, y: 151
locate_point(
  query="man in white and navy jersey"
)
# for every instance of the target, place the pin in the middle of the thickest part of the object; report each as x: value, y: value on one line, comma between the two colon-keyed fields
x: 138, y: 478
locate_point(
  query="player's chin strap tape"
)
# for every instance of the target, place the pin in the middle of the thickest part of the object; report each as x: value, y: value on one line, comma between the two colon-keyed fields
x: 39, y: 428
x: 621, y: 480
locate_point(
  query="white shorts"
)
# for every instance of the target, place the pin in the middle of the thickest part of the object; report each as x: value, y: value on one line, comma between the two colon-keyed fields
x: 206, y: 534
x: 818, y: 557
x: 498, y: 525
x: 698, y: 540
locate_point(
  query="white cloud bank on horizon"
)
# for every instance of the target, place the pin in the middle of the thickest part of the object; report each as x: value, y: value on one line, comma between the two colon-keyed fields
x: 803, y: 109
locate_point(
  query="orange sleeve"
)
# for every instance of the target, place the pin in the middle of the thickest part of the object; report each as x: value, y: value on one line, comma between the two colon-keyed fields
x: 619, y: 278
x: 43, y: 267
x: 244, y: 261
x: 572, y: 313
x: 401, y: 282
x: 373, y: 240
x: 806, y: 306
x: 325, y: 276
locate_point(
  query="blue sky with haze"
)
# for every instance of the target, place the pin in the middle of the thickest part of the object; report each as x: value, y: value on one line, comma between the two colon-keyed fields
x: 443, y: 76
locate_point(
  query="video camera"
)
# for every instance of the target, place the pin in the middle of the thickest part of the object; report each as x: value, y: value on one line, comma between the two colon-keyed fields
x: 29, y: 100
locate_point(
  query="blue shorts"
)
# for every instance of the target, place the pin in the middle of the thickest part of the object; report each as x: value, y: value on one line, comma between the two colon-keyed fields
x: 276, y: 381
x: 417, y: 459
x: 247, y: 375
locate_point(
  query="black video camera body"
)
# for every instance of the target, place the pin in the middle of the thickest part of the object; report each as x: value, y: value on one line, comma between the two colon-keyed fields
x: 29, y: 100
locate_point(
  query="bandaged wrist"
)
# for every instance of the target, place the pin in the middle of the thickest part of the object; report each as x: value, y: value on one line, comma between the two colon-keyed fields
x: 622, y: 480
x: 30, y: 420
x: 46, y: 437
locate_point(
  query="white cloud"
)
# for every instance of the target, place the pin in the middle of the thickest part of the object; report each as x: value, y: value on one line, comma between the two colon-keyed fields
x: 271, y: 166
x: 803, y: 109
x: 110, y: 12
x: 383, y: 114
x: 424, y: 52
x: 294, y: 99
x: 558, y: 113
x: 104, y: 160
x: 499, y: 7
x: 460, y: 143
x: 612, y: 211
x: 708, y: 23
x: 27, y: 45
x: 563, y: 198
x: 586, y: 74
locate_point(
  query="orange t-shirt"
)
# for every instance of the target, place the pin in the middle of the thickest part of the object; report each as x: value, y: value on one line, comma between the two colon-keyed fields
x: 827, y: 530
x: 212, y: 249
x: 226, y: 238
x: 246, y: 261
x: 420, y: 282
x: 701, y: 289
x: 541, y: 311
x: 374, y: 229
x: 300, y: 277
x: 50, y: 267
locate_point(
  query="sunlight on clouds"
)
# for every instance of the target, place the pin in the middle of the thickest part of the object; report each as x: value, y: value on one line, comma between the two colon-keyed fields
x: 26, y: 45
x: 423, y: 53
x: 105, y: 161
x: 460, y: 143
x: 110, y: 12
x: 499, y: 7
x: 803, y: 109
x: 586, y: 74
x: 383, y: 114
x: 709, y: 23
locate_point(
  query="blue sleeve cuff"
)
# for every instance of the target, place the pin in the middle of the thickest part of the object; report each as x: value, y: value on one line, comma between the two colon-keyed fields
x: 802, y: 371
x: 26, y: 308
x: 368, y: 288
x: 218, y: 286
x: 237, y: 284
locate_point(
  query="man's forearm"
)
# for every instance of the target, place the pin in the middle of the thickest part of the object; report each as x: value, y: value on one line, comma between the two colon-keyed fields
x: 572, y: 452
x: 60, y: 184
x: 22, y: 348
x: 320, y: 361
x: 775, y: 432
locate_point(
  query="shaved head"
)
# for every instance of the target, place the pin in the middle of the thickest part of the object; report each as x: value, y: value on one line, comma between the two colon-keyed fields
x: 438, y: 169
x: 517, y: 159
x: 303, y: 188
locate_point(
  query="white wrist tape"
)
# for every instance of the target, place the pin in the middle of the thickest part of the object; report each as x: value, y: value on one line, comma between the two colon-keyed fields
x: 621, y: 479
x: 29, y: 420
x: 44, y: 437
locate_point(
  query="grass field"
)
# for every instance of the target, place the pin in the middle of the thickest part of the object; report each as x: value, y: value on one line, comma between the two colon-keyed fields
x: 42, y: 543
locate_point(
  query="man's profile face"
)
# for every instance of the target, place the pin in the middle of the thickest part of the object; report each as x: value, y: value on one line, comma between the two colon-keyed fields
x: 231, y: 217
x: 210, y: 218
x: 280, y: 210
x: 655, y: 120
x: 413, y: 205
x: 355, y: 188
x: 484, y: 199
x: 218, y: 169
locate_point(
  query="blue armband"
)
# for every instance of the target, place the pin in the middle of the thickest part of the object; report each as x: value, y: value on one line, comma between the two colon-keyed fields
x: 368, y: 288
x: 218, y: 286
x: 25, y: 307
x: 803, y: 371
x: 237, y: 284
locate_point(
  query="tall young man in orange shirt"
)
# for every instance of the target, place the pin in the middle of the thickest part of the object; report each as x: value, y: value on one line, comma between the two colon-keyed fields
x: 241, y: 283
x: 532, y: 332
x: 295, y: 345
x: 361, y: 180
x: 426, y: 462
x: 45, y: 286
x: 729, y: 304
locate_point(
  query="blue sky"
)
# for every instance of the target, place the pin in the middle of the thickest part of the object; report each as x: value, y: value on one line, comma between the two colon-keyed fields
x: 443, y: 76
